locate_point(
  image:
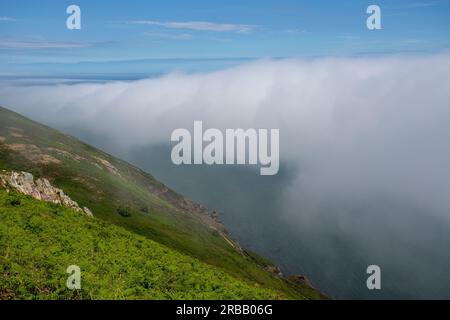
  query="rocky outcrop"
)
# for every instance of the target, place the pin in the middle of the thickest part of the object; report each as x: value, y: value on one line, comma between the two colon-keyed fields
x: 302, y: 280
x: 87, y: 211
x: 113, y: 170
x: 40, y: 189
x: 275, y: 270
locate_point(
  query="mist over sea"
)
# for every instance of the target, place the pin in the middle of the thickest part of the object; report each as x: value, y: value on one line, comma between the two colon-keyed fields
x: 331, y: 250
x: 414, y: 256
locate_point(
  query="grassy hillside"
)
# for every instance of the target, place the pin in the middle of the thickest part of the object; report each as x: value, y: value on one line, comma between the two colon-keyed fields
x: 121, y: 194
x: 39, y: 240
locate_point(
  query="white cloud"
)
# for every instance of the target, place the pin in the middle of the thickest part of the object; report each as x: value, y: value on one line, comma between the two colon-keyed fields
x: 425, y: 4
x: 294, y: 31
x: 8, y: 19
x: 348, y: 37
x: 200, y: 26
x: 8, y: 43
x: 355, y: 127
x: 183, y: 36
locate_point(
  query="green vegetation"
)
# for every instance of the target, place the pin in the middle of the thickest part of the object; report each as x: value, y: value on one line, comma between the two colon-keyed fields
x: 39, y: 240
x: 123, y: 195
x: 124, y: 211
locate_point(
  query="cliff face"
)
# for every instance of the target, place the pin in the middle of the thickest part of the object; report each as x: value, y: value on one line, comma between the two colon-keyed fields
x: 41, y: 189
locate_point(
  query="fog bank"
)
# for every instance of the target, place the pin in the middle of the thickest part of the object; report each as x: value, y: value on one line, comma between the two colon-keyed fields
x: 368, y: 138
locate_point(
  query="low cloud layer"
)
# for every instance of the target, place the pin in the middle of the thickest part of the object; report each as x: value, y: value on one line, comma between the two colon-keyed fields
x: 368, y: 138
x: 354, y: 126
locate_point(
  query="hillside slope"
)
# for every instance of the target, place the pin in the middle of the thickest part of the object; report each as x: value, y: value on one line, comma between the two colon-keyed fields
x: 121, y: 194
x: 39, y: 240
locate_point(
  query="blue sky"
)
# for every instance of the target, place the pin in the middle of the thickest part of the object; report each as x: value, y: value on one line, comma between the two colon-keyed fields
x: 34, y: 37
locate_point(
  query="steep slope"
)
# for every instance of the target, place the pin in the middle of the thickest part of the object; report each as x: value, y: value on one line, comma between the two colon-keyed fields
x: 39, y: 240
x: 120, y: 193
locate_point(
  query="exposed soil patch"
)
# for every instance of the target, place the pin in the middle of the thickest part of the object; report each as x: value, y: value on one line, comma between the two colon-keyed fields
x: 33, y: 153
x: 66, y: 154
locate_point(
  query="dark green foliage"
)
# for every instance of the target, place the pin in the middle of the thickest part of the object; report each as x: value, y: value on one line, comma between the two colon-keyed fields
x: 144, y: 209
x: 124, y: 211
x: 15, y: 202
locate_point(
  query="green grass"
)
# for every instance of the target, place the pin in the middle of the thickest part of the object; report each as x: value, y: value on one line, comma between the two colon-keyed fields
x: 164, y: 220
x: 39, y: 240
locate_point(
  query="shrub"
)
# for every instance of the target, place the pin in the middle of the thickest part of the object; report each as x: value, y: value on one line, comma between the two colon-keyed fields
x: 124, y: 211
x: 15, y: 202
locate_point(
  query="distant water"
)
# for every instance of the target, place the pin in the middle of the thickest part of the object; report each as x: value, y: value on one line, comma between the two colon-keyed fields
x: 115, y: 70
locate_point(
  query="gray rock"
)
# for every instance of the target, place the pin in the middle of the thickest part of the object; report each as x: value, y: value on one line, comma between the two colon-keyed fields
x: 41, y: 189
x: 88, y: 212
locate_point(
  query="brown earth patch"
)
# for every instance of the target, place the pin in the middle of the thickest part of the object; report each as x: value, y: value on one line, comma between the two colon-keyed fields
x: 66, y: 154
x: 33, y: 153
x: 90, y: 184
x: 14, y: 130
x: 16, y: 135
